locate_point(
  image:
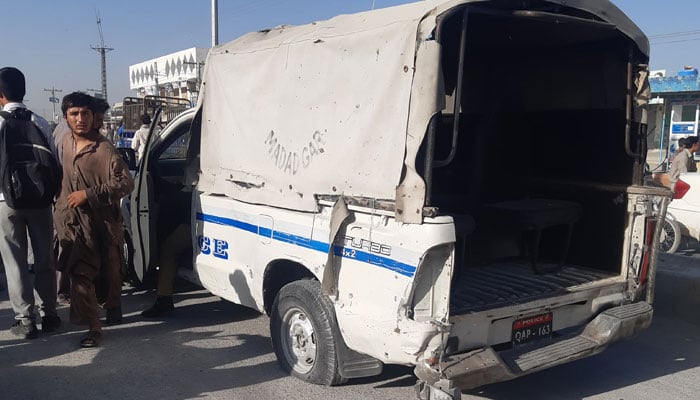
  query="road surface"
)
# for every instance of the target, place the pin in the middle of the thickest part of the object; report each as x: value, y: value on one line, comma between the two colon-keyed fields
x: 213, y: 349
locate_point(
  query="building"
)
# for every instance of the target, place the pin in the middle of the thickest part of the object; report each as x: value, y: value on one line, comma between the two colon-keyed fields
x: 173, y: 75
x: 674, y: 112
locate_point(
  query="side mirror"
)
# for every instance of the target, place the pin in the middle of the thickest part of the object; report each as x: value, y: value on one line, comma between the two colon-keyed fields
x: 129, y: 156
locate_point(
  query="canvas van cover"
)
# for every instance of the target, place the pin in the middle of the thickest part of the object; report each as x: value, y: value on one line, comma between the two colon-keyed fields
x: 333, y: 107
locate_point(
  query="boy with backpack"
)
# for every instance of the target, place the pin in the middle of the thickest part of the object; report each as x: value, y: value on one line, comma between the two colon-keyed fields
x: 28, y: 174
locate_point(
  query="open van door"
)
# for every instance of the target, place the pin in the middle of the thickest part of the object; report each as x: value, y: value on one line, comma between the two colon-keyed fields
x: 165, y: 159
x: 142, y: 226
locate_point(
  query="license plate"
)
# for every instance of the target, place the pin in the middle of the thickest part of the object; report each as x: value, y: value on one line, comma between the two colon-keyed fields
x: 532, y: 328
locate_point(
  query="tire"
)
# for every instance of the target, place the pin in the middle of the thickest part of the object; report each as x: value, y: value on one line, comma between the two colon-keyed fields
x: 670, y: 238
x: 302, y: 333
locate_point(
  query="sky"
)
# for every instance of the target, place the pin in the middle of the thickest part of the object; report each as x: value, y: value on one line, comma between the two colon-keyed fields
x: 50, y: 40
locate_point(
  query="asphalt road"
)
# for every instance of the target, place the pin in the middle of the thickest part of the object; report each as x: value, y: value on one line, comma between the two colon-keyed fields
x: 216, y: 350
x: 208, y: 349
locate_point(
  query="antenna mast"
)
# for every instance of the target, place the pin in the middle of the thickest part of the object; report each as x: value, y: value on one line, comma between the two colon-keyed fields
x: 103, y: 59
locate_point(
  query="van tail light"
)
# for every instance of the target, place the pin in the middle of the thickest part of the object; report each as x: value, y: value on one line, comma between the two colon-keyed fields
x: 680, y: 189
x: 648, y: 240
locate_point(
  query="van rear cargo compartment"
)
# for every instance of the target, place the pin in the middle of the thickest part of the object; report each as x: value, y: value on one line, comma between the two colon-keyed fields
x: 510, y: 283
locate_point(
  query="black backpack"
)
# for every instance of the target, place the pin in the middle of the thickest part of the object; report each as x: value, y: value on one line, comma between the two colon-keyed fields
x: 29, y: 172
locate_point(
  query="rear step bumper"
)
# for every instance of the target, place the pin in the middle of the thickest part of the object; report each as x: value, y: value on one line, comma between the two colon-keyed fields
x: 483, y: 366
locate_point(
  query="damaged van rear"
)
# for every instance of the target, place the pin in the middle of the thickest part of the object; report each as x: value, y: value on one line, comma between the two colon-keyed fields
x: 455, y: 185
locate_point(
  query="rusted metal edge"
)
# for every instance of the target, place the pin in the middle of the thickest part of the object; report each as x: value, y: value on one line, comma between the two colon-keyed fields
x: 379, y: 206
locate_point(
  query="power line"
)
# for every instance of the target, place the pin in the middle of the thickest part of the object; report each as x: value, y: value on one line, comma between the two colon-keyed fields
x: 677, y: 41
x: 682, y: 35
x: 674, y: 34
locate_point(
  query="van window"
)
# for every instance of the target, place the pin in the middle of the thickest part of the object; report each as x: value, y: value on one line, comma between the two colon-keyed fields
x: 177, y: 150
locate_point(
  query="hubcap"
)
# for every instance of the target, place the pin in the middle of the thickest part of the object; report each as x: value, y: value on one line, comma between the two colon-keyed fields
x: 299, y: 340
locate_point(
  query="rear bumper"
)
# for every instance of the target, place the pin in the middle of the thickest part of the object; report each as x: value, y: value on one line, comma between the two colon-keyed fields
x: 483, y: 366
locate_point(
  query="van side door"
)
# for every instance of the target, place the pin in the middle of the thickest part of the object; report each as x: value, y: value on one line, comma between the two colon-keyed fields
x: 160, y: 146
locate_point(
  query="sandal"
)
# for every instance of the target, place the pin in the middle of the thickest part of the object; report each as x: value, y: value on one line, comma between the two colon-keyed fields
x: 91, y: 339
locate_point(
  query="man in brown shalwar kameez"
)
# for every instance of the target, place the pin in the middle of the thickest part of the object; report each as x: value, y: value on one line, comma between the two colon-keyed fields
x: 87, y: 215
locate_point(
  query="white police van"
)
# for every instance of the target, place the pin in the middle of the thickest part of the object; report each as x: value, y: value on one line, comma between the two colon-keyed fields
x: 350, y: 179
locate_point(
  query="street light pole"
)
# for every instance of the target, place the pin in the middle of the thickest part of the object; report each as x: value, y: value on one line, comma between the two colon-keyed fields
x: 214, y: 23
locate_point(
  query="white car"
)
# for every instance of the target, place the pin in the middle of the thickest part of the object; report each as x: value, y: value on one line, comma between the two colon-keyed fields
x: 683, y: 215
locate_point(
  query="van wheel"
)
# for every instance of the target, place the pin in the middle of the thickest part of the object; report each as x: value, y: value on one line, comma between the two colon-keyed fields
x: 670, y: 238
x: 302, y: 334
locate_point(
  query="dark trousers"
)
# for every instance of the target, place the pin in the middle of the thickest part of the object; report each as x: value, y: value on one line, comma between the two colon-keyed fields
x: 92, y: 285
x: 109, y: 281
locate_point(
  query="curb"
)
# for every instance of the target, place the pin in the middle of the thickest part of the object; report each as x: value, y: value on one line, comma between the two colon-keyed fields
x: 677, y: 293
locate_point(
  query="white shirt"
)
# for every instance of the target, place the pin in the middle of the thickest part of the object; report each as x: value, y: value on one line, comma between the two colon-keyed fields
x: 138, y: 143
x: 40, y: 122
x: 679, y: 166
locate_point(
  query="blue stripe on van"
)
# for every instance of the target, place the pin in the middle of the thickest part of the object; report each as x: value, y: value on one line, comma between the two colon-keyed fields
x: 346, y: 252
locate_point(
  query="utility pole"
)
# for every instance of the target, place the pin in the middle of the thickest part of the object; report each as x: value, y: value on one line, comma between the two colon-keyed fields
x: 155, y: 76
x: 103, y: 59
x: 53, y: 99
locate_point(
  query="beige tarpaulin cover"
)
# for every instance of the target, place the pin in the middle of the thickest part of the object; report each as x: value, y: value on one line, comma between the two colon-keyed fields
x: 323, y: 108
x: 314, y: 109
